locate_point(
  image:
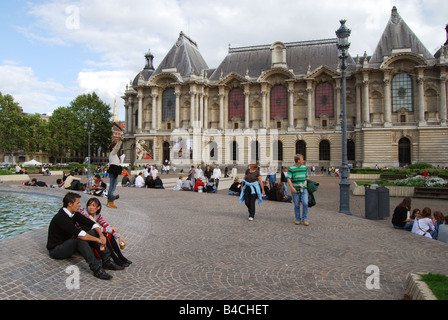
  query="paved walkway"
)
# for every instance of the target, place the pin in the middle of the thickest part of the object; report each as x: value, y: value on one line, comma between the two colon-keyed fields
x: 196, y: 246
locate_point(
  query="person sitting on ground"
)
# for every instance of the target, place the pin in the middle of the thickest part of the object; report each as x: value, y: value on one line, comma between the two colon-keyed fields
x: 72, y: 182
x: 439, y: 218
x: 59, y: 184
x: 443, y: 231
x: 235, y: 188
x: 401, y: 213
x: 410, y: 220
x: 198, y: 185
x: 158, y: 184
x: 210, y: 186
x: 267, y: 189
x: 424, y: 224
x: 64, y: 238
x: 149, y: 182
x: 125, y: 181
x: 93, y: 212
x: 188, y: 185
x: 97, y: 186
x: 35, y: 183
x: 179, y: 184
x: 280, y: 193
x: 139, y: 181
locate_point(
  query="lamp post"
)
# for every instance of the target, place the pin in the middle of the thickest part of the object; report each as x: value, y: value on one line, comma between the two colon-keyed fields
x: 344, y: 186
x: 89, y: 131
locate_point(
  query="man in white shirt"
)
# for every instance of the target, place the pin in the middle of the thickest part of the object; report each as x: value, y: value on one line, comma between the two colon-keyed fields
x: 216, y: 175
x: 198, y: 172
x: 140, y: 181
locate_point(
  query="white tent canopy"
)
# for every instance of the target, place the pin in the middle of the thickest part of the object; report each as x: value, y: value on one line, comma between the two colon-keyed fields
x: 32, y: 163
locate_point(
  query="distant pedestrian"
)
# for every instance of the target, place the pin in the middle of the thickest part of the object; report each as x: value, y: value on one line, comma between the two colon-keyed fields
x: 252, y: 189
x: 297, y: 180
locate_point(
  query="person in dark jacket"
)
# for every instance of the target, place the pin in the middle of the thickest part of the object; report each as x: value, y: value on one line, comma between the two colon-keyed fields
x: 64, y: 238
x: 401, y: 213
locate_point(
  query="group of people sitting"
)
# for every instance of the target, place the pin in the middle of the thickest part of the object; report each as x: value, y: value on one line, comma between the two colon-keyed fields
x: 424, y: 222
x: 276, y: 193
x: 143, y: 182
x: 195, y: 185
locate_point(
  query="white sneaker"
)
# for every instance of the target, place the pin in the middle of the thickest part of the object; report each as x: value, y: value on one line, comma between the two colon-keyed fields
x: 250, y: 218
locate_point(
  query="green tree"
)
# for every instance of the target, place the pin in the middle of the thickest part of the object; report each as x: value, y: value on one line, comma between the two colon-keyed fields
x: 91, y: 110
x: 12, y: 136
x: 65, y: 130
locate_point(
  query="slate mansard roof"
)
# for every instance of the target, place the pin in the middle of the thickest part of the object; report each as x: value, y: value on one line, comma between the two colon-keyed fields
x: 398, y: 35
x: 303, y: 57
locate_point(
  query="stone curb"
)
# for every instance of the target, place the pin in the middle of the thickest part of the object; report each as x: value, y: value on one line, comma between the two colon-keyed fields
x: 415, y: 289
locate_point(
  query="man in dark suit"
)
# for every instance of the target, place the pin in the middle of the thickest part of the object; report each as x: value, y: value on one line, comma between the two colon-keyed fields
x: 64, y: 238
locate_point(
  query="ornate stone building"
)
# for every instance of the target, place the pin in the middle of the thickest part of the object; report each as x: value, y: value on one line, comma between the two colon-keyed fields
x: 270, y: 102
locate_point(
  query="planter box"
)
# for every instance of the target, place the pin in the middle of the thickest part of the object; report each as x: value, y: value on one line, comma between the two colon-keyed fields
x: 394, y: 191
x: 15, y: 178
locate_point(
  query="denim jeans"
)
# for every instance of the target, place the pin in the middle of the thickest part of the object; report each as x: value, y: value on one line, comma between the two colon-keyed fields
x: 297, y: 198
x: 112, y: 186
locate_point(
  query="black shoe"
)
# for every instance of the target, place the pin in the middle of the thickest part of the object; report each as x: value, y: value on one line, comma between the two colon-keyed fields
x: 125, y: 262
x: 116, y: 197
x: 101, y: 274
x: 110, y: 265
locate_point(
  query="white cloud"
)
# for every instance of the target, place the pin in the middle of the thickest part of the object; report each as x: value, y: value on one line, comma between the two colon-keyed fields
x: 32, y: 94
x: 119, y: 32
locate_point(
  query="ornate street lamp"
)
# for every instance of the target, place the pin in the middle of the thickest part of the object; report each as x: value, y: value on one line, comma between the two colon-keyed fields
x: 89, y: 131
x: 344, y: 186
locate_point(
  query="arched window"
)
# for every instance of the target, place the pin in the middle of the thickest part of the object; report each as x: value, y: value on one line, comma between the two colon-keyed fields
x: 301, y: 148
x: 255, y: 151
x: 324, y: 150
x: 213, y: 151
x: 350, y: 150
x: 278, y: 150
x: 404, y: 152
x: 279, y: 102
x: 324, y: 99
x: 168, y: 104
x: 234, y: 151
x: 236, y: 103
x: 402, y: 92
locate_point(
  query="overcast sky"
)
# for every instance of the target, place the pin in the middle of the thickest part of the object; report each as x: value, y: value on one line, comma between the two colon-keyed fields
x: 52, y: 51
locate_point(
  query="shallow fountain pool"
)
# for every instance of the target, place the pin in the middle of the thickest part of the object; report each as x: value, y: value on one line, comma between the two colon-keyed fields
x: 24, y: 212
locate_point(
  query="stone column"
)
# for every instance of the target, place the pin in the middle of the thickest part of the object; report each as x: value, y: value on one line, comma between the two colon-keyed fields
x: 206, y: 109
x: 221, y: 107
x: 154, y: 108
x: 263, y: 105
x: 291, y: 105
x: 246, y: 106
x: 358, y: 105
x: 443, y: 102
x: 309, y: 106
x: 421, y: 98
x: 387, y: 100
x: 177, y: 110
x: 338, y: 103
x: 140, y: 111
x: 192, y: 106
x: 366, y: 101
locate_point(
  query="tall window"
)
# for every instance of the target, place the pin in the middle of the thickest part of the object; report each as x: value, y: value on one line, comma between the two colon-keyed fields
x: 402, y: 92
x: 213, y: 151
x: 278, y: 150
x: 404, y: 152
x: 301, y: 148
x: 279, y: 102
x: 350, y: 150
x: 234, y: 151
x: 324, y: 150
x: 324, y: 99
x: 236, y: 103
x: 168, y: 104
